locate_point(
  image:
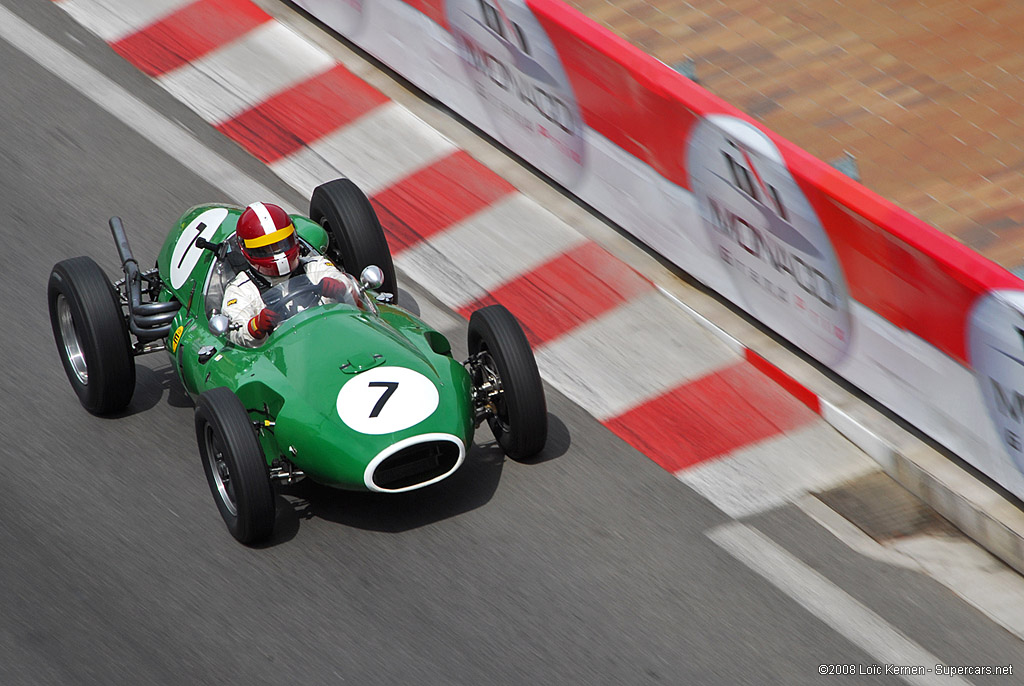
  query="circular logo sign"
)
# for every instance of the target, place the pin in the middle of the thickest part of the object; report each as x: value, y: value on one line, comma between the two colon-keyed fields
x: 186, y: 253
x: 386, y: 399
x: 995, y: 350
x: 520, y: 80
x: 768, y: 236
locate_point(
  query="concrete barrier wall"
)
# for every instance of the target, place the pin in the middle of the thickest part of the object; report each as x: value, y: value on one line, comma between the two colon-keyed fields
x: 924, y: 325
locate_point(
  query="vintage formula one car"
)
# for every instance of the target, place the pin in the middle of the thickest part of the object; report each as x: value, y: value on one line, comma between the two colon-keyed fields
x: 360, y: 396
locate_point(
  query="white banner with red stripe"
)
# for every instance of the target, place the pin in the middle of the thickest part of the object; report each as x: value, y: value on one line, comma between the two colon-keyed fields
x: 920, y: 323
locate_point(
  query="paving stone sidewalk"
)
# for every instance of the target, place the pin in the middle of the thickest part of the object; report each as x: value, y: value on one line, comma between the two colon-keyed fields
x: 926, y: 95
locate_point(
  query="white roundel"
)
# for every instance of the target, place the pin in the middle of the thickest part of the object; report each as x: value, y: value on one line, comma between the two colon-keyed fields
x: 386, y: 399
x: 186, y: 253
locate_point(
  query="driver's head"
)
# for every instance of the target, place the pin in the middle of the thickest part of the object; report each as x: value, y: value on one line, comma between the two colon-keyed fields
x: 266, y: 237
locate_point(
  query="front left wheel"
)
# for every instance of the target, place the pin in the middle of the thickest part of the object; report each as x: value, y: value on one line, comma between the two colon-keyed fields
x: 91, y: 334
x: 506, y: 382
x: 235, y: 469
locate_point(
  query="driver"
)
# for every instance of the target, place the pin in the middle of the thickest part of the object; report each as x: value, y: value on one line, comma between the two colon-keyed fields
x: 266, y: 238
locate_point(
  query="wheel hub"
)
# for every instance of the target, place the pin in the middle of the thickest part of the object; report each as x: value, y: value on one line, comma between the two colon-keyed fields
x: 69, y: 339
x: 221, y: 472
x: 488, y: 393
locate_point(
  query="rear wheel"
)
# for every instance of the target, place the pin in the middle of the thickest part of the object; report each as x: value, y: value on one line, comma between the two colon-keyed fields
x: 507, y: 382
x: 91, y: 334
x: 235, y: 468
x: 356, y: 237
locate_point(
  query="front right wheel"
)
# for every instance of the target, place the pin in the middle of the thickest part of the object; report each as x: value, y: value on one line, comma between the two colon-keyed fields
x: 356, y: 239
x: 507, y: 383
x: 235, y: 468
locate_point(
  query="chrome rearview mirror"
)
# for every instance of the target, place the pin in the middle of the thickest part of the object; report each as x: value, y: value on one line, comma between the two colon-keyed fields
x: 371, y: 278
x: 219, y: 324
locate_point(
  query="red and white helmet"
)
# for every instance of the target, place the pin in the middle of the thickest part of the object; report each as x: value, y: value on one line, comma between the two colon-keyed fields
x: 266, y: 236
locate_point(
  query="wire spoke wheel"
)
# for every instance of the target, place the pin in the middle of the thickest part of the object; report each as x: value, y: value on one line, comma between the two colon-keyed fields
x: 235, y: 467
x: 220, y: 470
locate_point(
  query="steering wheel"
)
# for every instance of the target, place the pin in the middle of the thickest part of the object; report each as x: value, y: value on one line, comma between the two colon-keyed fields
x: 310, y: 294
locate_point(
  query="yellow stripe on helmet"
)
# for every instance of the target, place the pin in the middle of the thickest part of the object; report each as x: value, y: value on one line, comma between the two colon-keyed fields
x: 273, y: 237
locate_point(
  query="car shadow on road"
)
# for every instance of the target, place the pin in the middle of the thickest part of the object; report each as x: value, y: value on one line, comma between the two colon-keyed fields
x: 153, y: 381
x: 558, y: 443
x: 471, y: 487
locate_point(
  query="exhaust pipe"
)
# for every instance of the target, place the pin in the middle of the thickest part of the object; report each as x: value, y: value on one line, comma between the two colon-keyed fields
x: 148, y: 321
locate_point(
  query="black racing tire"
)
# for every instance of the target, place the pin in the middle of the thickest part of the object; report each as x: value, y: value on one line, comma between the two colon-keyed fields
x: 356, y: 237
x: 520, y: 424
x: 235, y: 467
x: 91, y: 335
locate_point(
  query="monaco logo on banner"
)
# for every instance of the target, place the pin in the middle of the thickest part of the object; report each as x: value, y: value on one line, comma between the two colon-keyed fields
x: 995, y: 345
x: 521, y: 82
x: 769, y: 237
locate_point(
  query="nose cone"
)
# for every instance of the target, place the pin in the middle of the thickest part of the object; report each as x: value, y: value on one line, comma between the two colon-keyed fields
x: 364, y: 410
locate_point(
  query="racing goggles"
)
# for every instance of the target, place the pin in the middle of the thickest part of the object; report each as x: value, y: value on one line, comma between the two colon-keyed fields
x: 274, y: 243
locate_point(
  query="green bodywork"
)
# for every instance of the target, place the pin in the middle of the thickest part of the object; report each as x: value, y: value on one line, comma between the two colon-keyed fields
x: 291, y: 384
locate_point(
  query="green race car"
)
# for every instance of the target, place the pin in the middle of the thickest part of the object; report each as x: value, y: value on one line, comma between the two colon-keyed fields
x: 360, y: 396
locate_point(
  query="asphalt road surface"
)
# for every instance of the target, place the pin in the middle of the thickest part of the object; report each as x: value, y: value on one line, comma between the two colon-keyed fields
x: 590, y: 565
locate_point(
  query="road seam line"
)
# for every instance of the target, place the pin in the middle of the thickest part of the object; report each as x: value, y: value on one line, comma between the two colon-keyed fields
x: 828, y: 602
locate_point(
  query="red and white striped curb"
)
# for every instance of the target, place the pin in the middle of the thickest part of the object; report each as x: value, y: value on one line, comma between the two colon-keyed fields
x: 665, y: 380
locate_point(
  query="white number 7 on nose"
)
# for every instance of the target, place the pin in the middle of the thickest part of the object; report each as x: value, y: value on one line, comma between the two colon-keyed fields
x: 386, y: 399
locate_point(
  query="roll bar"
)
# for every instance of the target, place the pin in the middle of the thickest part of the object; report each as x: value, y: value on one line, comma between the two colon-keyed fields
x: 149, y: 321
